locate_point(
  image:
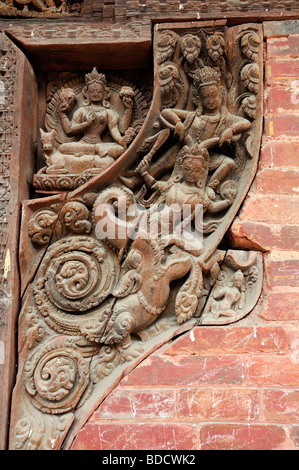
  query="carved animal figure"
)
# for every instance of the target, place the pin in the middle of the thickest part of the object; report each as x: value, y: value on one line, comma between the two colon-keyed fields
x: 48, y: 144
x: 150, y: 266
x: 143, y: 288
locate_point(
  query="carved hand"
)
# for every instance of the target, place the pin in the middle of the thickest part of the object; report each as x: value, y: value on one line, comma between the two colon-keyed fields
x: 123, y: 141
x: 64, y: 107
x: 130, y: 134
x: 230, y: 197
x: 91, y: 117
x: 142, y: 167
x: 226, y: 137
x: 179, y: 131
x: 128, y: 102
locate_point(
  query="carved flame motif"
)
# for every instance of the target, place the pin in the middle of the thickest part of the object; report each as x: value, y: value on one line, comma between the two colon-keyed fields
x: 250, y: 44
x: 190, y: 47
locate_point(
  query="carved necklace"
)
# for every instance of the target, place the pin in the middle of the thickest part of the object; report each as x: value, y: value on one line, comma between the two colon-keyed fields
x: 149, y: 308
x: 207, y: 120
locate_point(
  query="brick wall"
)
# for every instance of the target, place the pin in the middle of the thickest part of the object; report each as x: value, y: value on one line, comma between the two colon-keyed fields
x: 232, y: 387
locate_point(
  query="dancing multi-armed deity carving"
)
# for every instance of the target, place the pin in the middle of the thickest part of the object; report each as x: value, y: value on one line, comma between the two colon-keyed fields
x: 133, y: 256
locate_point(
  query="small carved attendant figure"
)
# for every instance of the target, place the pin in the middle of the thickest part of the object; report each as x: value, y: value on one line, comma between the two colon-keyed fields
x: 211, y: 120
x: 226, y: 298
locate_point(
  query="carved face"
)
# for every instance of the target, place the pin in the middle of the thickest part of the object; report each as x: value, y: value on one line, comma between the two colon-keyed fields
x: 210, y: 98
x: 95, y: 92
x: 192, y: 169
x: 238, y: 279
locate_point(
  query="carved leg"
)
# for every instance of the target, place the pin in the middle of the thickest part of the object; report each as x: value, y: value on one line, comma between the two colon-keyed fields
x: 109, y: 150
x: 56, y: 170
x: 164, y: 163
x: 78, y: 149
x: 225, y: 169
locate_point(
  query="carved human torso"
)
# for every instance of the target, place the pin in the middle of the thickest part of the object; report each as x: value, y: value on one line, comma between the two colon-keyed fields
x: 180, y: 193
x: 101, y: 118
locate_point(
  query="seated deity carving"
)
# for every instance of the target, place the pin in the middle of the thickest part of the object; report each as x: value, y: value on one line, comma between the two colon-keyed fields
x: 211, y: 120
x: 88, y: 127
x: 89, y: 122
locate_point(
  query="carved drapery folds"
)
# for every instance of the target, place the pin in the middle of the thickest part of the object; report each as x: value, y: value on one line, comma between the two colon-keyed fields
x: 134, y: 256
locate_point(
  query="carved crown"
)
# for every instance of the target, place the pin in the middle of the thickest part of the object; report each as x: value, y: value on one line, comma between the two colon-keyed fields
x: 196, y: 153
x: 95, y: 76
x: 206, y: 76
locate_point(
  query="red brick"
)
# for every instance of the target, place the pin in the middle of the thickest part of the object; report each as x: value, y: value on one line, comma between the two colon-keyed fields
x: 272, y: 209
x: 279, y: 125
x: 241, y: 437
x: 130, y: 404
x: 250, y: 235
x: 281, y: 306
x: 281, y: 406
x: 294, y: 435
x: 278, y: 182
x: 231, y: 340
x: 281, y: 71
x: 282, y: 272
x: 280, y: 28
x: 187, y: 370
x: 283, y: 99
x: 276, y: 154
x: 289, y: 237
x: 137, y: 436
x: 277, y: 371
x: 218, y: 404
x: 281, y: 47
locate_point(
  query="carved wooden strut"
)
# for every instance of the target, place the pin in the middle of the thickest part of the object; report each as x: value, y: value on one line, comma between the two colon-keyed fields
x: 120, y: 268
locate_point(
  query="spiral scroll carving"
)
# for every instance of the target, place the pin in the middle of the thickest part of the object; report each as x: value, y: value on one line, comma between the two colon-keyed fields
x: 56, y: 377
x: 76, y: 276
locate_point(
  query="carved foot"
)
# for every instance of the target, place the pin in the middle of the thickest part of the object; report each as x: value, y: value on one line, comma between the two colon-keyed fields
x: 211, y: 193
x: 119, y: 327
x: 56, y: 170
x: 226, y: 313
x: 213, y: 184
